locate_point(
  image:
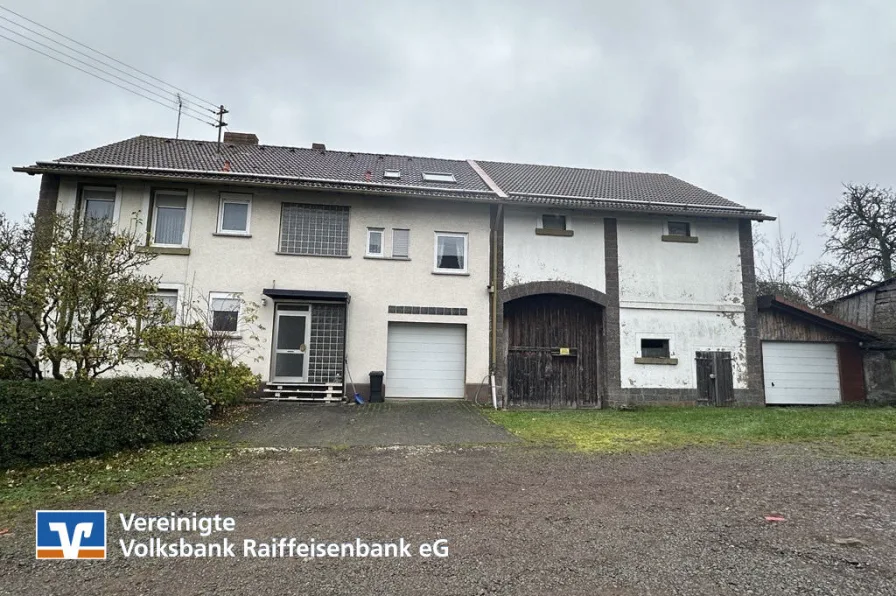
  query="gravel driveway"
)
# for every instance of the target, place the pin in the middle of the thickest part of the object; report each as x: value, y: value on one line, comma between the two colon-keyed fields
x: 518, y: 521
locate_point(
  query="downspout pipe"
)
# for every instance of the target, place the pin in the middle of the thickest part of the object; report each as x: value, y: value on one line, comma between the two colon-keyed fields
x: 493, y: 289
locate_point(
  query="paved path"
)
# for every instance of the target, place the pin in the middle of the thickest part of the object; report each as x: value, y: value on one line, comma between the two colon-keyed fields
x: 279, y: 424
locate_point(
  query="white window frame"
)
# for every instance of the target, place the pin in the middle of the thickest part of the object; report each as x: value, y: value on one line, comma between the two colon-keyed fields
x: 435, y: 253
x: 392, y: 174
x: 212, y: 296
x: 82, y: 201
x: 178, y: 289
x: 407, y: 256
x: 237, y: 198
x: 185, y: 240
x: 443, y: 177
x: 382, y: 233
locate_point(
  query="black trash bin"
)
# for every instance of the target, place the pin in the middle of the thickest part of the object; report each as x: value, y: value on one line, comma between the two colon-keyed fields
x: 376, y: 386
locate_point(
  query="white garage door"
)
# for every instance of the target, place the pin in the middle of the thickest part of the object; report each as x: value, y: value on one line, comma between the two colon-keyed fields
x: 800, y: 373
x: 426, y: 360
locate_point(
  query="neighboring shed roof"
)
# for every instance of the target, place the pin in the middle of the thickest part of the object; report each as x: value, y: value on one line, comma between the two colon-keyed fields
x: 252, y: 163
x: 819, y: 318
x: 863, y: 290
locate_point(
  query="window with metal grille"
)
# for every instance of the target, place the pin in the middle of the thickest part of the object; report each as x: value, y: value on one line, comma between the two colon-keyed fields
x: 401, y: 243
x: 679, y: 228
x: 654, y: 348
x: 553, y: 222
x: 314, y: 230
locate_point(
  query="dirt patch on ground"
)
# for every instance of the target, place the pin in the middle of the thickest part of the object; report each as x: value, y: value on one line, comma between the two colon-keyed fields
x: 518, y: 521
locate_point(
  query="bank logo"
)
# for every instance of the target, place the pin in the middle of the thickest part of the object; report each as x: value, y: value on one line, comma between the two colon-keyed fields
x: 70, y: 534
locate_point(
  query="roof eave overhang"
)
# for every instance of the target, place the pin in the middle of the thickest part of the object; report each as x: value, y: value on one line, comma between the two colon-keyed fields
x: 770, y: 303
x: 375, y: 188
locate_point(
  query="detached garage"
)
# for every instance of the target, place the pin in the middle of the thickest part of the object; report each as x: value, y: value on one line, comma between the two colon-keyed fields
x: 426, y: 360
x: 808, y: 357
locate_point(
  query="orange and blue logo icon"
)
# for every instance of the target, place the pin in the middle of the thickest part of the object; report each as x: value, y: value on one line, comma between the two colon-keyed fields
x: 70, y: 534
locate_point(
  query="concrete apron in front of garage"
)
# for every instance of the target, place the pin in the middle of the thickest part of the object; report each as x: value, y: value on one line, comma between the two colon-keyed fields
x: 419, y: 422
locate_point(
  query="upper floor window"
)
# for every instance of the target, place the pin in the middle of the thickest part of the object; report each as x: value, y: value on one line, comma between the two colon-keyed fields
x: 679, y: 231
x: 451, y: 253
x: 98, y: 206
x: 374, y: 242
x: 553, y: 222
x: 234, y: 214
x: 169, y: 217
x: 314, y: 230
x: 679, y: 228
x: 401, y: 243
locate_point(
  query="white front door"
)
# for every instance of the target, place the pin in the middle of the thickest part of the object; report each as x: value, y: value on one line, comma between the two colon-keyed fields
x: 800, y: 373
x: 292, y: 331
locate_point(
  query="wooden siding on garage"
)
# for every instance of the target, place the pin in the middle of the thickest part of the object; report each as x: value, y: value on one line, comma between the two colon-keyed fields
x: 778, y: 326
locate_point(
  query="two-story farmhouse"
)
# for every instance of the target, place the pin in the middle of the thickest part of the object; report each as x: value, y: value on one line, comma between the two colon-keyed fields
x: 574, y: 287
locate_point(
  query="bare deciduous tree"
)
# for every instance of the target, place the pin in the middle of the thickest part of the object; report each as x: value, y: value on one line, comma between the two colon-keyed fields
x: 861, y: 240
x: 775, y: 266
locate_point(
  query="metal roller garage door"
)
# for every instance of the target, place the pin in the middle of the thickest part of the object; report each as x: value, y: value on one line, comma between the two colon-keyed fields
x: 426, y: 360
x: 800, y: 373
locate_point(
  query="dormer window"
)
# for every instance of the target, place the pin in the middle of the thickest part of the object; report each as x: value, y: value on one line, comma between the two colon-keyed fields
x: 439, y: 177
x: 392, y: 174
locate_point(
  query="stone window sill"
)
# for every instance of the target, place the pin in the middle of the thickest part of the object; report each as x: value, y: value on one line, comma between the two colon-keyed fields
x: 375, y: 258
x: 231, y: 234
x: 668, y: 361
x: 296, y: 254
x: 685, y: 239
x: 165, y: 250
x: 455, y: 273
x: 544, y: 232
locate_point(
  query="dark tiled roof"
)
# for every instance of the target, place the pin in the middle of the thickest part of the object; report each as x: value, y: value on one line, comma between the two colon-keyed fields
x: 270, y: 160
x: 341, y: 170
x: 523, y: 179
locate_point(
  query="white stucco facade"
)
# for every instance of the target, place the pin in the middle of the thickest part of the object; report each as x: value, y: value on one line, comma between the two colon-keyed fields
x: 247, y: 265
x: 529, y: 257
x: 687, y: 293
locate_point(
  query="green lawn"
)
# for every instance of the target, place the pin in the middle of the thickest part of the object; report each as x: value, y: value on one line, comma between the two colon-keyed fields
x: 854, y: 430
x: 45, y: 486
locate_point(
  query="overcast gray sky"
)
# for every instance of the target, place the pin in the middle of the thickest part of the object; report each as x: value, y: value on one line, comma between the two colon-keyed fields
x: 770, y: 104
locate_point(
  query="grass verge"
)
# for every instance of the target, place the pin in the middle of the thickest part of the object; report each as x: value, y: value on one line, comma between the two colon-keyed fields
x: 27, y: 489
x: 852, y: 430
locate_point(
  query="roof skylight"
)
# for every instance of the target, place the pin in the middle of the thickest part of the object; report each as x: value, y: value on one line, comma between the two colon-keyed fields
x: 392, y: 174
x: 439, y: 177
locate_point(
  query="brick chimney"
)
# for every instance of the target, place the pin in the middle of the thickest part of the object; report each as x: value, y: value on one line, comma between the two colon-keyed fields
x: 240, y: 138
x: 319, y: 147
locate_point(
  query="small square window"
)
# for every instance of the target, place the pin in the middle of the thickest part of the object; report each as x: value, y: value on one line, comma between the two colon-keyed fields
x: 439, y: 177
x: 679, y: 228
x: 394, y: 174
x: 167, y: 300
x: 374, y: 242
x: 235, y: 213
x: 655, y: 348
x: 451, y: 253
x: 553, y: 222
x: 225, y: 312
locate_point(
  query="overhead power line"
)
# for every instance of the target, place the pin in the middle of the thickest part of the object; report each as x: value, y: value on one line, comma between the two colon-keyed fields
x: 210, y: 103
x: 140, y: 80
x: 93, y: 74
x: 89, y: 65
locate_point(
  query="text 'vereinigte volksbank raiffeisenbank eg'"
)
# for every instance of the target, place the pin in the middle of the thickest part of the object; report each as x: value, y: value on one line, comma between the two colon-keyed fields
x: 198, y: 536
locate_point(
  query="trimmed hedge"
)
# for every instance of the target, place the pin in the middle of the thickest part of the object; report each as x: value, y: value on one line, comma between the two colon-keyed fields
x: 51, y: 421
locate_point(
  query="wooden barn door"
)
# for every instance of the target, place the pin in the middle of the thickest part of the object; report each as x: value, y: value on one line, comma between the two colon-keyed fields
x: 552, y: 351
x: 715, y: 379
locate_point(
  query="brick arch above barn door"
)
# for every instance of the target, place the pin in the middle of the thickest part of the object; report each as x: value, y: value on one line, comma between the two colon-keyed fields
x: 565, y: 288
